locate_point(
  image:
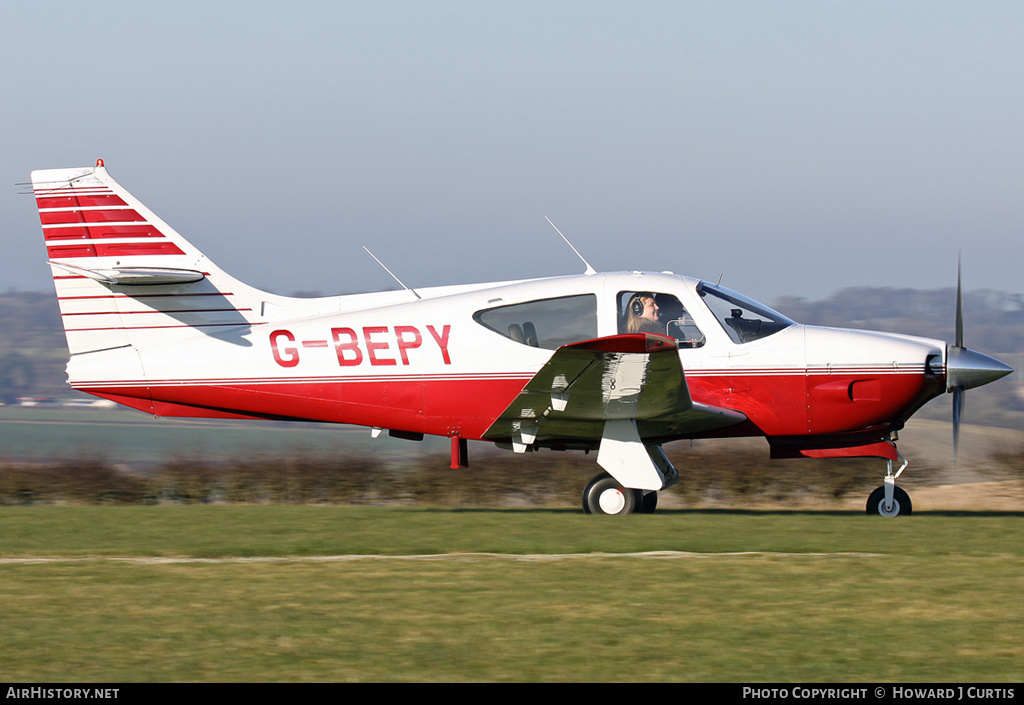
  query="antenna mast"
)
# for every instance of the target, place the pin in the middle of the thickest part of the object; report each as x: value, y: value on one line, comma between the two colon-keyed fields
x: 590, y: 270
x: 413, y: 291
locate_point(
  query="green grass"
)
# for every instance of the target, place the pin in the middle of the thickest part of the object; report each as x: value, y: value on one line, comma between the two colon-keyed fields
x: 760, y: 596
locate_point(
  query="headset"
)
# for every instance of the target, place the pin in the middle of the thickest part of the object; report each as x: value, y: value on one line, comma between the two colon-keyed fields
x: 636, y: 304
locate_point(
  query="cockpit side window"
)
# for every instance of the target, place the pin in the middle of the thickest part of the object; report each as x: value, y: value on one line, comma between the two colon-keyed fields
x: 652, y: 312
x: 544, y: 323
x: 743, y: 319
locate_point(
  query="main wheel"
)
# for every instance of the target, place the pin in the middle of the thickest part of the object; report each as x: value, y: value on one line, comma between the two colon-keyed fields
x: 604, y: 495
x: 900, y: 503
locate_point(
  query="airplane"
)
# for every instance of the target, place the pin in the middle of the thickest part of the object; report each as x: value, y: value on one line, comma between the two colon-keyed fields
x: 617, y: 363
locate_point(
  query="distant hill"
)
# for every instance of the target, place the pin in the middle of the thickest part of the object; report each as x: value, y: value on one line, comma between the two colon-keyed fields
x: 33, y: 351
x: 993, y: 320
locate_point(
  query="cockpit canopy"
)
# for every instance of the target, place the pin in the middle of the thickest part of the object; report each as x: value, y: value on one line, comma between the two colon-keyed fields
x: 551, y: 322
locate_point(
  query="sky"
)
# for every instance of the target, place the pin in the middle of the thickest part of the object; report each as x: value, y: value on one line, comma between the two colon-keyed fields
x: 793, y: 148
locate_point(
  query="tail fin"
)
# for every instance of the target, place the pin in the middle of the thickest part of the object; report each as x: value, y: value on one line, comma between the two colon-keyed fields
x: 123, y: 276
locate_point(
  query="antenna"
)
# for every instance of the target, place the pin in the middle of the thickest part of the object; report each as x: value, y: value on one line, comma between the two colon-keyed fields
x: 590, y: 270
x: 413, y: 291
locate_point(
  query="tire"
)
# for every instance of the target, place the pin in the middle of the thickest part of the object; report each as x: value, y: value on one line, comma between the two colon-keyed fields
x: 587, y: 489
x: 901, y: 505
x: 648, y: 503
x: 604, y: 495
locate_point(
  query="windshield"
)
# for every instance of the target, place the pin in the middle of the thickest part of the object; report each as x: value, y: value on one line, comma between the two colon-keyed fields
x: 743, y: 319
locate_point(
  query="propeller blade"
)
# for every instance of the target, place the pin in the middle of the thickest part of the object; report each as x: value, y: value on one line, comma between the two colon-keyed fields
x: 958, y: 408
x: 959, y: 308
x: 957, y: 348
x: 966, y: 369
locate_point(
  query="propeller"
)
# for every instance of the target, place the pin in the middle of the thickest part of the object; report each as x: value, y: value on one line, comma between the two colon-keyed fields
x: 966, y: 368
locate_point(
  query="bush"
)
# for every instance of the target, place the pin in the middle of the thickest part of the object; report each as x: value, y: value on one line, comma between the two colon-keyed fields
x: 85, y: 482
x: 545, y: 478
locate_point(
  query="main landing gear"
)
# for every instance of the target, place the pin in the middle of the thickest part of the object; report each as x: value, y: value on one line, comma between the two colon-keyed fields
x: 635, y: 473
x: 890, y: 500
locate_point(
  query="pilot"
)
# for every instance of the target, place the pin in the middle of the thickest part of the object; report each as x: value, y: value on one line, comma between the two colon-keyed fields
x: 643, y: 314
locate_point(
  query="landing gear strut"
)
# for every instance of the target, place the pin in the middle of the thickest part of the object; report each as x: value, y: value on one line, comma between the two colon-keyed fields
x: 890, y: 500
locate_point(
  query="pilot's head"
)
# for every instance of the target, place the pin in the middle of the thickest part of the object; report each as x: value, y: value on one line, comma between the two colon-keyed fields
x: 644, y: 316
x: 643, y: 305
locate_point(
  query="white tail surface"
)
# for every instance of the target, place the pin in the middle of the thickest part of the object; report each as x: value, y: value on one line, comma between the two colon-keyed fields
x: 123, y: 276
x: 126, y: 281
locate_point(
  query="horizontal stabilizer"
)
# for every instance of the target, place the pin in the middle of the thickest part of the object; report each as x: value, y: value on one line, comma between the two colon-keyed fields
x: 134, y: 276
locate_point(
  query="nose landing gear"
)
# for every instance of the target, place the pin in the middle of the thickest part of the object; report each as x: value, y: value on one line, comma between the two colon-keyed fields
x: 890, y: 500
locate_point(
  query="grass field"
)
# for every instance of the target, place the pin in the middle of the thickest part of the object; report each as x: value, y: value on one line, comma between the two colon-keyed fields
x: 326, y: 593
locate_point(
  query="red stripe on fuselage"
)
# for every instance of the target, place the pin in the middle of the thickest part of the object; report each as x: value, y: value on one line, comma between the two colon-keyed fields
x: 438, y: 407
x: 776, y: 405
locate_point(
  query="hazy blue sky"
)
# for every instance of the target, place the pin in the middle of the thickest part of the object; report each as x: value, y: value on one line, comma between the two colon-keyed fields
x: 798, y: 147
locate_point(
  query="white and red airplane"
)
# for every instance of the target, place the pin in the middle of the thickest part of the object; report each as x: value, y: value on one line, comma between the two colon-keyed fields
x: 620, y: 363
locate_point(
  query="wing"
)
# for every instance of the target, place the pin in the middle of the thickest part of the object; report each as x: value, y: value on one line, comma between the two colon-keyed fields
x: 636, y: 377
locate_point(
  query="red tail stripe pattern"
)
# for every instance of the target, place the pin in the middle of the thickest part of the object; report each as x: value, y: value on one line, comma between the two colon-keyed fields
x: 83, y: 200
x: 154, y: 311
x: 106, y: 215
x: 73, y: 218
x: 118, y: 249
x: 140, y: 296
x: 100, y: 231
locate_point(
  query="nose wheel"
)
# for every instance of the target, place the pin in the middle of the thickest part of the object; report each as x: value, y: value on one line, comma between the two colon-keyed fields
x: 890, y: 500
x: 899, y: 505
